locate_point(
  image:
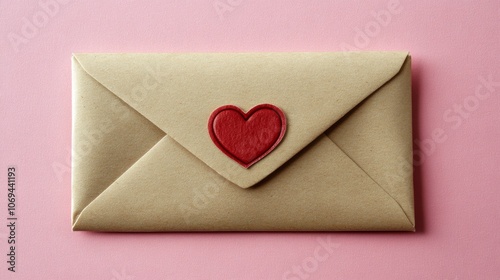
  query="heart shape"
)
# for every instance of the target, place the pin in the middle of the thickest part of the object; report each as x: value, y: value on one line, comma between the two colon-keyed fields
x: 247, y: 137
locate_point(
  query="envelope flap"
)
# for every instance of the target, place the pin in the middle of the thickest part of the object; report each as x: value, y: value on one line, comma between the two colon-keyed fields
x: 178, y: 92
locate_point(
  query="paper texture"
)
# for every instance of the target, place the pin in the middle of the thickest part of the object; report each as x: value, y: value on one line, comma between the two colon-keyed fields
x: 143, y: 159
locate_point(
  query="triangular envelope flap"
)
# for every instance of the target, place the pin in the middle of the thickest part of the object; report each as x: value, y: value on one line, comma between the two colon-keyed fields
x: 178, y: 92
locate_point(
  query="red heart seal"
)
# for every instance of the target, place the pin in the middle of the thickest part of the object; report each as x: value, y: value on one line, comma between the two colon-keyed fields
x: 247, y: 137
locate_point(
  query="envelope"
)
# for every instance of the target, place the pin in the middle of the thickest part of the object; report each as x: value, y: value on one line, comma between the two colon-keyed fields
x: 143, y: 159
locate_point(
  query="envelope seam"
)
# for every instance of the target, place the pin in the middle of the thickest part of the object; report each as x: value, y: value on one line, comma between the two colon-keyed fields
x: 108, y: 89
x: 77, y: 217
x: 107, y: 188
x: 392, y: 197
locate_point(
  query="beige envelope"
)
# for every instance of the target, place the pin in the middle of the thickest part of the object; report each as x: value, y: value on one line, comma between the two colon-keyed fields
x: 143, y: 159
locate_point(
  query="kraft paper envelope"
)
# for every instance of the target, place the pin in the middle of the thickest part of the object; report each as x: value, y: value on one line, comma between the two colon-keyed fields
x: 143, y: 159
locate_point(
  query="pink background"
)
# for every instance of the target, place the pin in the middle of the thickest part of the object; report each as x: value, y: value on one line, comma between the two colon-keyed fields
x: 457, y: 184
